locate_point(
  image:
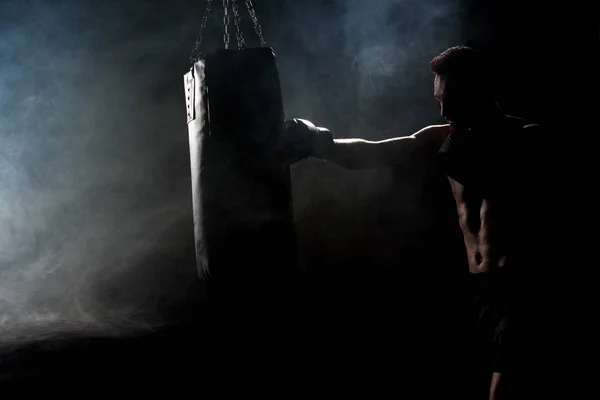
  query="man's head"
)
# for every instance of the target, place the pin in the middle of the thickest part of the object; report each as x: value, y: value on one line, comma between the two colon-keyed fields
x: 463, y: 85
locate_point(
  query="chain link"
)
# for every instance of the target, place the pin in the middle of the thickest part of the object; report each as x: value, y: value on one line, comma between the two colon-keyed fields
x: 196, y: 51
x: 241, y: 43
x: 237, y: 22
x: 226, y: 23
x: 257, y: 27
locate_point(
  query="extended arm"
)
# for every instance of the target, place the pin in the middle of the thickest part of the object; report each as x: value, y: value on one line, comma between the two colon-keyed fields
x: 416, y: 150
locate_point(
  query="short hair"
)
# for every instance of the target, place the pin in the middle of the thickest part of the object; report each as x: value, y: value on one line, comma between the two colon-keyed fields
x: 461, y: 61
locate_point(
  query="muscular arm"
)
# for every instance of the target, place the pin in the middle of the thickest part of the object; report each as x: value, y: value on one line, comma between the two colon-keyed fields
x: 416, y: 150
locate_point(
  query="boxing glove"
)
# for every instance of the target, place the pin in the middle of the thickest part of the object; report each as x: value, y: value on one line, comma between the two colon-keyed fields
x: 303, y: 139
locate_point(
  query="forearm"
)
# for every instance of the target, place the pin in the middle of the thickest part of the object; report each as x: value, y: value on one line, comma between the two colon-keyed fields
x: 351, y: 154
x: 365, y: 154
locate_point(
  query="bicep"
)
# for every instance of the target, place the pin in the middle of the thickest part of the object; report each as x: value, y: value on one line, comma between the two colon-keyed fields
x: 410, y: 151
x: 420, y: 148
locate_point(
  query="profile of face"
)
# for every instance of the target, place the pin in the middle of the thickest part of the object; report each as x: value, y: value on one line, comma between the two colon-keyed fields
x: 461, y: 102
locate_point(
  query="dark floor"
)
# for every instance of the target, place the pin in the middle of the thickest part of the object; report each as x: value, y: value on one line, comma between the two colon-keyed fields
x: 339, y: 340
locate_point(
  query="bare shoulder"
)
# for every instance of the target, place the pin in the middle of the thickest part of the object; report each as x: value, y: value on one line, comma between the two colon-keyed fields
x: 432, y: 137
x: 523, y: 131
x: 525, y: 140
x: 531, y: 133
x: 434, y: 129
x: 532, y: 126
x: 525, y: 126
x: 428, y: 142
x: 433, y: 132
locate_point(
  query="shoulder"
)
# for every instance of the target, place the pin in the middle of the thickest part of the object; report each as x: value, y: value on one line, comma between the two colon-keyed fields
x: 528, y: 137
x: 523, y: 125
x: 430, y: 139
x: 524, y: 131
x: 530, y: 128
x: 433, y: 132
x: 531, y: 134
x: 436, y: 128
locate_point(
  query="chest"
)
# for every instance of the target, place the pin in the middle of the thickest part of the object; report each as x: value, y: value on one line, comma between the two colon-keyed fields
x: 475, y: 166
x: 467, y: 197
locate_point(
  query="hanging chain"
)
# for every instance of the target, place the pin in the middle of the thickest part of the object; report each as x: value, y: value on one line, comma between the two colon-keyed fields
x: 226, y: 23
x: 241, y: 43
x: 237, y: 21
x: 257, y: 27
x: 196, y: 51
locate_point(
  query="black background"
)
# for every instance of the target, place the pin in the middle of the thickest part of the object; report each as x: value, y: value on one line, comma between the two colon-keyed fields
x: 103, y: 143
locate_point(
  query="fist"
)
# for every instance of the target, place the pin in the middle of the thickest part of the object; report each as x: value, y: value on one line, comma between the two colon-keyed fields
x: 302, y: 139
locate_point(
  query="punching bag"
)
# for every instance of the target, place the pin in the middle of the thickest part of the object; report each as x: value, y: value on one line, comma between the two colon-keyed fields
x: 242, y: 200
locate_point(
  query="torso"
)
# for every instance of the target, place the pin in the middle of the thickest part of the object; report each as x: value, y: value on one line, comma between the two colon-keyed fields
x: 484, y: 219
x: 483, y: 226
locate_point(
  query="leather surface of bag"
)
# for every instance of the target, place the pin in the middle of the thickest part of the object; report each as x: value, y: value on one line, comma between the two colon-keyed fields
x: 242, y: 202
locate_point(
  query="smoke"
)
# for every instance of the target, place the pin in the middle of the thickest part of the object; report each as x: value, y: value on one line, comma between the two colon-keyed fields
x: 393, y: 41
x: 94, y: 184
x: 95, y: 199
x: 361, y: 68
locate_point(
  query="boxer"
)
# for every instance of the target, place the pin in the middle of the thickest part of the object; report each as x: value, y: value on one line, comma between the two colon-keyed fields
x: 484, y: 154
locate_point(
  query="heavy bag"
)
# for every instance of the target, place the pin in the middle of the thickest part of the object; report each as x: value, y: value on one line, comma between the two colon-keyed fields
x: 242, y: 199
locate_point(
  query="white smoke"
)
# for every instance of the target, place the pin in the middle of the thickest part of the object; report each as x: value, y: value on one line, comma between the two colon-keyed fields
x: 95, y: 200
x: 89, y: 214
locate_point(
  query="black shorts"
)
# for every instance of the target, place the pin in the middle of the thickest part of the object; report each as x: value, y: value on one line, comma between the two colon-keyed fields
x: 491, y: 300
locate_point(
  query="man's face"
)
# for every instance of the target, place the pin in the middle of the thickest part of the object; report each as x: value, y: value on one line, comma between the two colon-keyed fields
x: 460, y: 103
